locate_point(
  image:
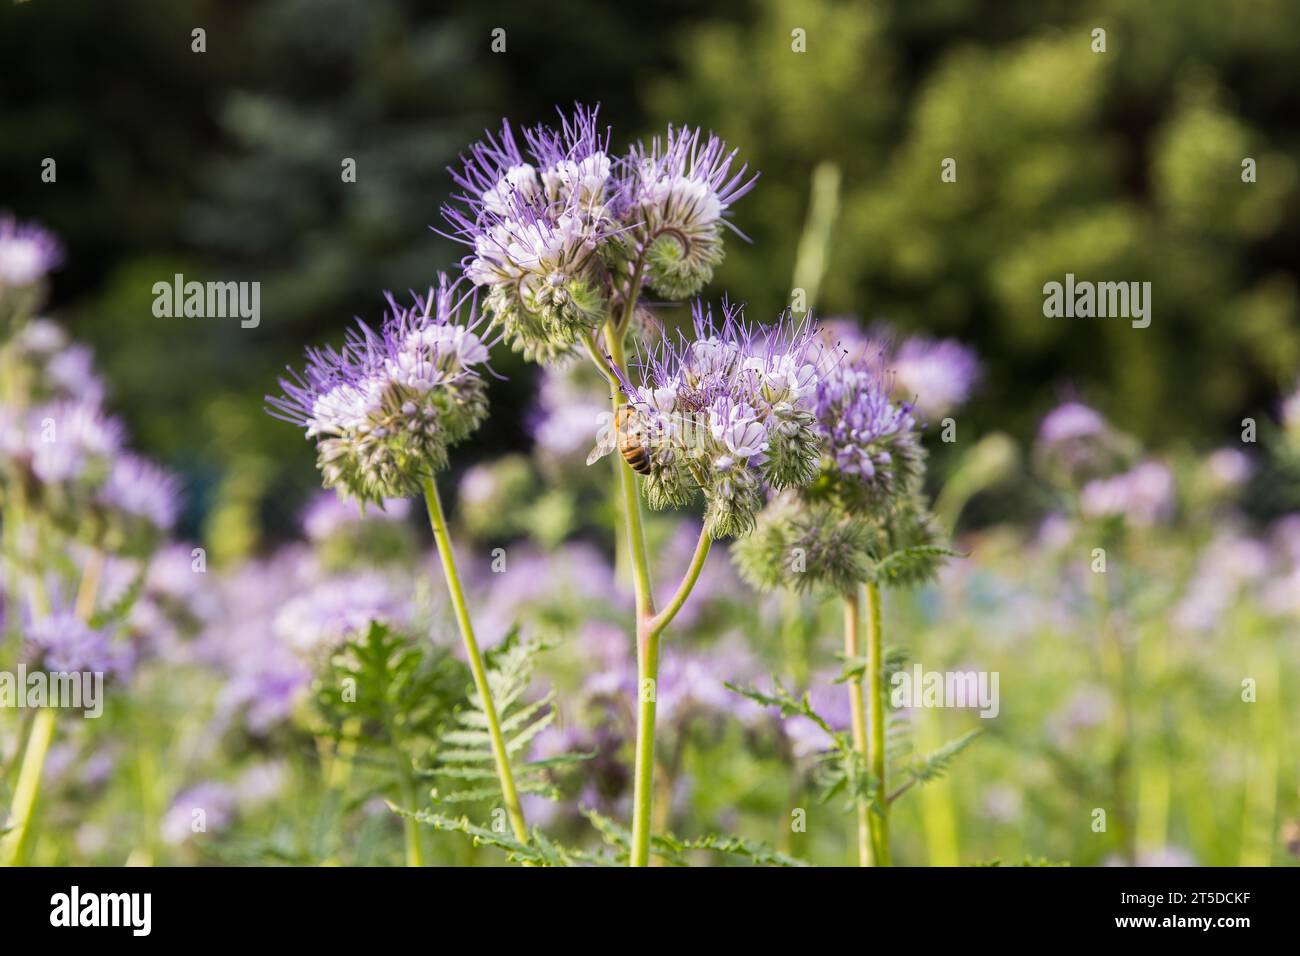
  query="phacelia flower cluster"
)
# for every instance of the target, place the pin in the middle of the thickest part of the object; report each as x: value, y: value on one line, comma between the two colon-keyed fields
x: 725, y: 414
x: 62, y: 642
x: 1076, y: 444
x: 870, y: 444
x: 67, y: 459
x: 385, y: 409
x: 938, y: 374
x: 555, y: 225
x: 865, y: 501
x: 935, y: 376
x: 1142, y: 496
x: 27, y: 253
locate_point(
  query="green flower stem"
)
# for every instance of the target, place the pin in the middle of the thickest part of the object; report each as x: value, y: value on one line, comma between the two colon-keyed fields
x: 414, y: 849
x: 643, y: 788
x: 853, y: 651
x: 13, y: 847
x: 631, y: 496
x: 499, y: 752
x: 876, y: 751
x: 702, y: 547
x: 647, y: 638
x: 649, y: 626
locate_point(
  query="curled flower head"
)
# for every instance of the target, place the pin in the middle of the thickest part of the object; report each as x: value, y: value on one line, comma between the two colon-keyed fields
x: 724, y: 414
x: 560, y: 228
x: 536, y: 230
x: 803, y: 546
x: 385, y: 409
x: 680, y: 189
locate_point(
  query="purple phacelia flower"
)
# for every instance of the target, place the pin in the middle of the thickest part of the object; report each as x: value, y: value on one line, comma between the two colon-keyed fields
x: 1142, y: 497
x: 722, y: 414
x: 327, y: 514
x: 536, y: 230
x: 938, y: 375
x: 935, y: 376
x: 680, y: 190
x: 871, y: 449
x: 561, y: 231
x: 138, y: 492
x: 385, y: 409
x: 27, y: 253
x: 62, y: 642
x: 1075, y: 444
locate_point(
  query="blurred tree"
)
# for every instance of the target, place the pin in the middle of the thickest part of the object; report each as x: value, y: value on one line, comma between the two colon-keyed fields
x: 1122, y: 165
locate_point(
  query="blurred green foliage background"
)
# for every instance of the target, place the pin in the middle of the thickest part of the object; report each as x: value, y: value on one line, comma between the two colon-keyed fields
x: 1123, y: 165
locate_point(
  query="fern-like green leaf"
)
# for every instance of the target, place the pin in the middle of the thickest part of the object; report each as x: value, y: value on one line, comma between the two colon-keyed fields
x: 464, y: 752
x: 935, y: 764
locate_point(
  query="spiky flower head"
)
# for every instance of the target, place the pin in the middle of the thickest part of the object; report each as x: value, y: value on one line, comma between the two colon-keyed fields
x: 680, y: 189
x: 871, y: 453
x: 863, y: 517
x: 536, y: 230
x: 559, y: 228
x: 385, y: 409
x: 726, y: 413
x: 804, y: 546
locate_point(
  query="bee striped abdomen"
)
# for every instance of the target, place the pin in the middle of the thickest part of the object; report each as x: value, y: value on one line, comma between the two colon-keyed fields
x: 630, y: 445
x: 637, y: 457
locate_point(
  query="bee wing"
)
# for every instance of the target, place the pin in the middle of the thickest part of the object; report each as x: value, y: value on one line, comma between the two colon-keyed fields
x: 603, y: 447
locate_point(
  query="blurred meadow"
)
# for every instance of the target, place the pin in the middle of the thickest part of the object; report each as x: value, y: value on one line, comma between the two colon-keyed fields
x: 1125, y: 501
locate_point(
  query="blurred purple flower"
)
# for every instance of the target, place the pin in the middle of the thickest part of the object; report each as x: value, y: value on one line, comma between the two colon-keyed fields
x: 1143, y: 496
x: 937, y: 375
x: 27, y: 252
x: 203, y: 808
x: 327, y: 514
x: 62, y: 642
x: 138, y: 488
